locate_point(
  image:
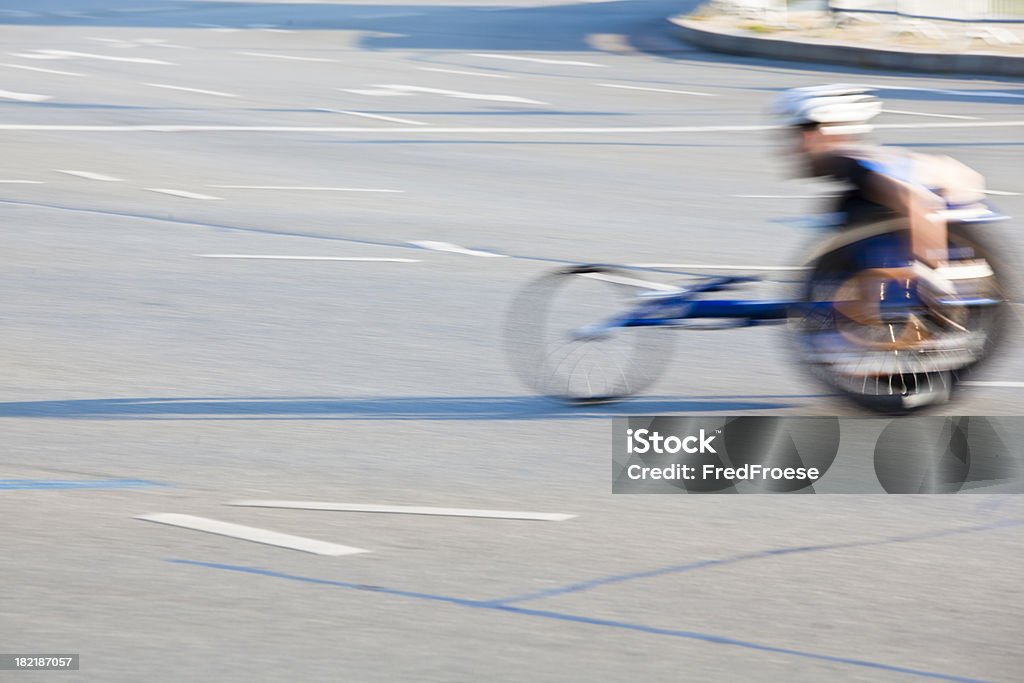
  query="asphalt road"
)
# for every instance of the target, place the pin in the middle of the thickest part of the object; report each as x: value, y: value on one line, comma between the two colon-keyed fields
x: 140, y: 138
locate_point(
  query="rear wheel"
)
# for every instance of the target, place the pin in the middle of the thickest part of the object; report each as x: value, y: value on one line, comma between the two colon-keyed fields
x: 559, y: 345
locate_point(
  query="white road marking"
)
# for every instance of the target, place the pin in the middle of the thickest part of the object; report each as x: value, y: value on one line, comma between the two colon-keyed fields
x: 21, y: 182
x: 217, y: 28
x: 249, y: 533
x: 630, y: 281
x: 705, y: 266
x: 1004, y: 385
x: 455, y: 249
x: 462, y: 73
x: 216, y: 93
x: 274, y: 257
x: 270, y: 28
x: 1001, y: 193
x: 89, y: 175
x: 458, y: 94
x: 405, y: 510
x: 311, y: 188
x: 392, y: 119
x: 41, y: 70
x: 665, y: 90
x: 291, y: 57
x: 161, y: 42
x: 537, y: 60
x: 374, y: 93
x: 181, y: 193
x: 186, y: 128
x: 24, y: 96
x: 783, y: 196
x: 937, y: 116
x: 139, y: 42
x: 66, y: 54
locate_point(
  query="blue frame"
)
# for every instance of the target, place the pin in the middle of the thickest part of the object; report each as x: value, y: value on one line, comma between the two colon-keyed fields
x: 674, y: 308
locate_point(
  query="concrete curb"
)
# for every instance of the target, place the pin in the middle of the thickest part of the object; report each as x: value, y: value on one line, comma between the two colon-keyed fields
x: 824, y: 52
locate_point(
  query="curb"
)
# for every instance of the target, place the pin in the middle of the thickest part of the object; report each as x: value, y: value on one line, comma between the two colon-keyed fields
x: 731, y: 42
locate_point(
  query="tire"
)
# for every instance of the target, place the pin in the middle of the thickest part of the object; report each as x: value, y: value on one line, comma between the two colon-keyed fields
x: 548, y: 348
x: 907, y: 362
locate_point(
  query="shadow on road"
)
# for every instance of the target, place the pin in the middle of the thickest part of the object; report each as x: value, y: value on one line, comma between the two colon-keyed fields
x: 484, y: 26
x: 638, y: 26
x: 377, y: 408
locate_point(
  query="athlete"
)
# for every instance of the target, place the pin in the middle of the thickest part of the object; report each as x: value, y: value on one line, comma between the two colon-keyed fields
x: 828, y: 124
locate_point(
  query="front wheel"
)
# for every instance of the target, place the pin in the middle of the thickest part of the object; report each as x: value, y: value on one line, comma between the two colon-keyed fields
x: 562, y: 341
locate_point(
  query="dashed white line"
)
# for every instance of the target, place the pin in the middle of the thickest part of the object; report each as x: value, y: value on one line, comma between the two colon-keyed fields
x: 249, y: 533
x: 379, y: 117
x: 462, y: 73
x: 89, y: 175
x: 21, y: 182
x: 458, y: 94
x: 1001, y: 193
x: 936, y: 116
x: 215, y: 93
x: 41, y: 70
x: 276, y: 257
x: 310, y: 188
x: 537, y: 60
x: 374, y: 93
x: 995, y: 384
x: 662, y: 90
x: 181, y: 193
x: 290, y: 57
x: 405, y: 510
x: 455, y: 249
x: 67, y: 54
x: 24, y: 96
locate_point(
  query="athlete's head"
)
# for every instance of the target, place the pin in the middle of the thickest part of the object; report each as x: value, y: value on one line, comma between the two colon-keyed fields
x: 824, y: 117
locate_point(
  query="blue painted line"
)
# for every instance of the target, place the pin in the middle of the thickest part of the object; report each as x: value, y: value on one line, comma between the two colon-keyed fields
x: 746, y: 557
x: 292, y: 233
x: 725, y: 640
x: 328, y: 582
x: 591, y: 621
x: 38, y: 484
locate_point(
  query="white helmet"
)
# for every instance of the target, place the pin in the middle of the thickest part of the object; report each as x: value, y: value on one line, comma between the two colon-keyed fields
x: 836, y: 109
